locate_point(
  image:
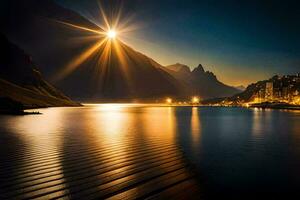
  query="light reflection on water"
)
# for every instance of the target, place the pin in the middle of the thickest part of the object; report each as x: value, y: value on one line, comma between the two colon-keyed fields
x: 230, y: 148
x: 196, y: 127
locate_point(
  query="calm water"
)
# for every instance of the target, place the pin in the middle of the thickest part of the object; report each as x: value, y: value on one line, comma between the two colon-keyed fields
x: 234, y: 151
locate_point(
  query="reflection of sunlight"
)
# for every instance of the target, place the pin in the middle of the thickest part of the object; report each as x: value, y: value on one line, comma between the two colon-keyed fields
x: 41, y: 130
x: 195, y: 126
x: 104, y: 145
x: 160, y: 122
x: 42, y: 136
x: 148, y: 123
x: 113, y: 121
x: 110, y: 107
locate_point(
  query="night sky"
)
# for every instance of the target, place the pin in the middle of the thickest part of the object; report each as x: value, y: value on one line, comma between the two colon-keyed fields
x: 241, y: 42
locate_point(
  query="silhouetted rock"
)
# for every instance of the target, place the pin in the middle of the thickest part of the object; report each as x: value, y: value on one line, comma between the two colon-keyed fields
x: 7, y: 106
x: 22, y: 82
x: 199, y: 69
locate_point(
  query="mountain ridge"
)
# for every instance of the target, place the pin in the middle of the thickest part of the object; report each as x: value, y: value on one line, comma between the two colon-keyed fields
x: 203, y: 83
x: 33, y: 30
x: 21, y: 81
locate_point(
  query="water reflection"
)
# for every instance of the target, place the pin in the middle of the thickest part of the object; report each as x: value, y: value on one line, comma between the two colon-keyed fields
x: 257, y: 124
x: 35, y: 129
x: 99, y: 150
x: 41, y: 137
x: 111, y: 121
x: 195, y: 127
x: 159, y: 123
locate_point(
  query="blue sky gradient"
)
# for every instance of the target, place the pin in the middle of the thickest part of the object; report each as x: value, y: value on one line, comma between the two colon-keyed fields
x: 241, y: 42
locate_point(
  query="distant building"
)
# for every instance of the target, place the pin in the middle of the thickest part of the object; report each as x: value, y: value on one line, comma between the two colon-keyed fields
x: 277, y: 93
x: 269, y: 90
x: 279, y: 88
x: 285, y: 92
x: 297, y: 78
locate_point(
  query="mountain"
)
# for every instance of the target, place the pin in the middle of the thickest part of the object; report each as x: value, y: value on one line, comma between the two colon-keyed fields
x: 241, y: 88
x: 180, y: 68
x: 21, y: 81
x: 201, y: 82
x: 34, y: 25
x: 131, y: 76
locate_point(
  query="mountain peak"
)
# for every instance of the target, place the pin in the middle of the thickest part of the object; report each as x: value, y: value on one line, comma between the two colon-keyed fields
x: 199, y: 69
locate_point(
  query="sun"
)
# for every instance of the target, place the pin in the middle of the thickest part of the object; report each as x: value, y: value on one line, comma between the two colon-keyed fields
x: 111, y: 34
x: 108, y: 34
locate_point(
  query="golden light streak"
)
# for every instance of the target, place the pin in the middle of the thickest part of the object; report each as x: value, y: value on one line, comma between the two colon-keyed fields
x: 79, y: 60
x: 82, y: 28
x: 128, y: 28
x: 105, y: 55
x: 123, y: 60
x: 104, y: 61
x: 104, y: 17
x: 107, y: 43
x: 120, y: 53
x: 115, y: 24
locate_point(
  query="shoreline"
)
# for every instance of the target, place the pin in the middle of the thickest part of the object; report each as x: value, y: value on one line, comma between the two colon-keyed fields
x: 29, y: 110
x: 276, y: 106
x: 269, y: 106
x: 15, y: 113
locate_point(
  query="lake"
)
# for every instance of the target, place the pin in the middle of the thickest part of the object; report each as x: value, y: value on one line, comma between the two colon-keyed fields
x: 149, y: 151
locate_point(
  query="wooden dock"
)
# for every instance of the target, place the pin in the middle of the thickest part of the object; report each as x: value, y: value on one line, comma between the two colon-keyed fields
x: 91, y: 169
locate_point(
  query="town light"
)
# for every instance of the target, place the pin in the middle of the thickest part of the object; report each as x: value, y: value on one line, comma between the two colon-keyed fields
x: 168, y: 100
x: 195, y: 100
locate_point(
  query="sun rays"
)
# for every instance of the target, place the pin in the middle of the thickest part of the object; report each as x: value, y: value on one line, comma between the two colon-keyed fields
x: 111, y: 34
x: 107, y: 38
